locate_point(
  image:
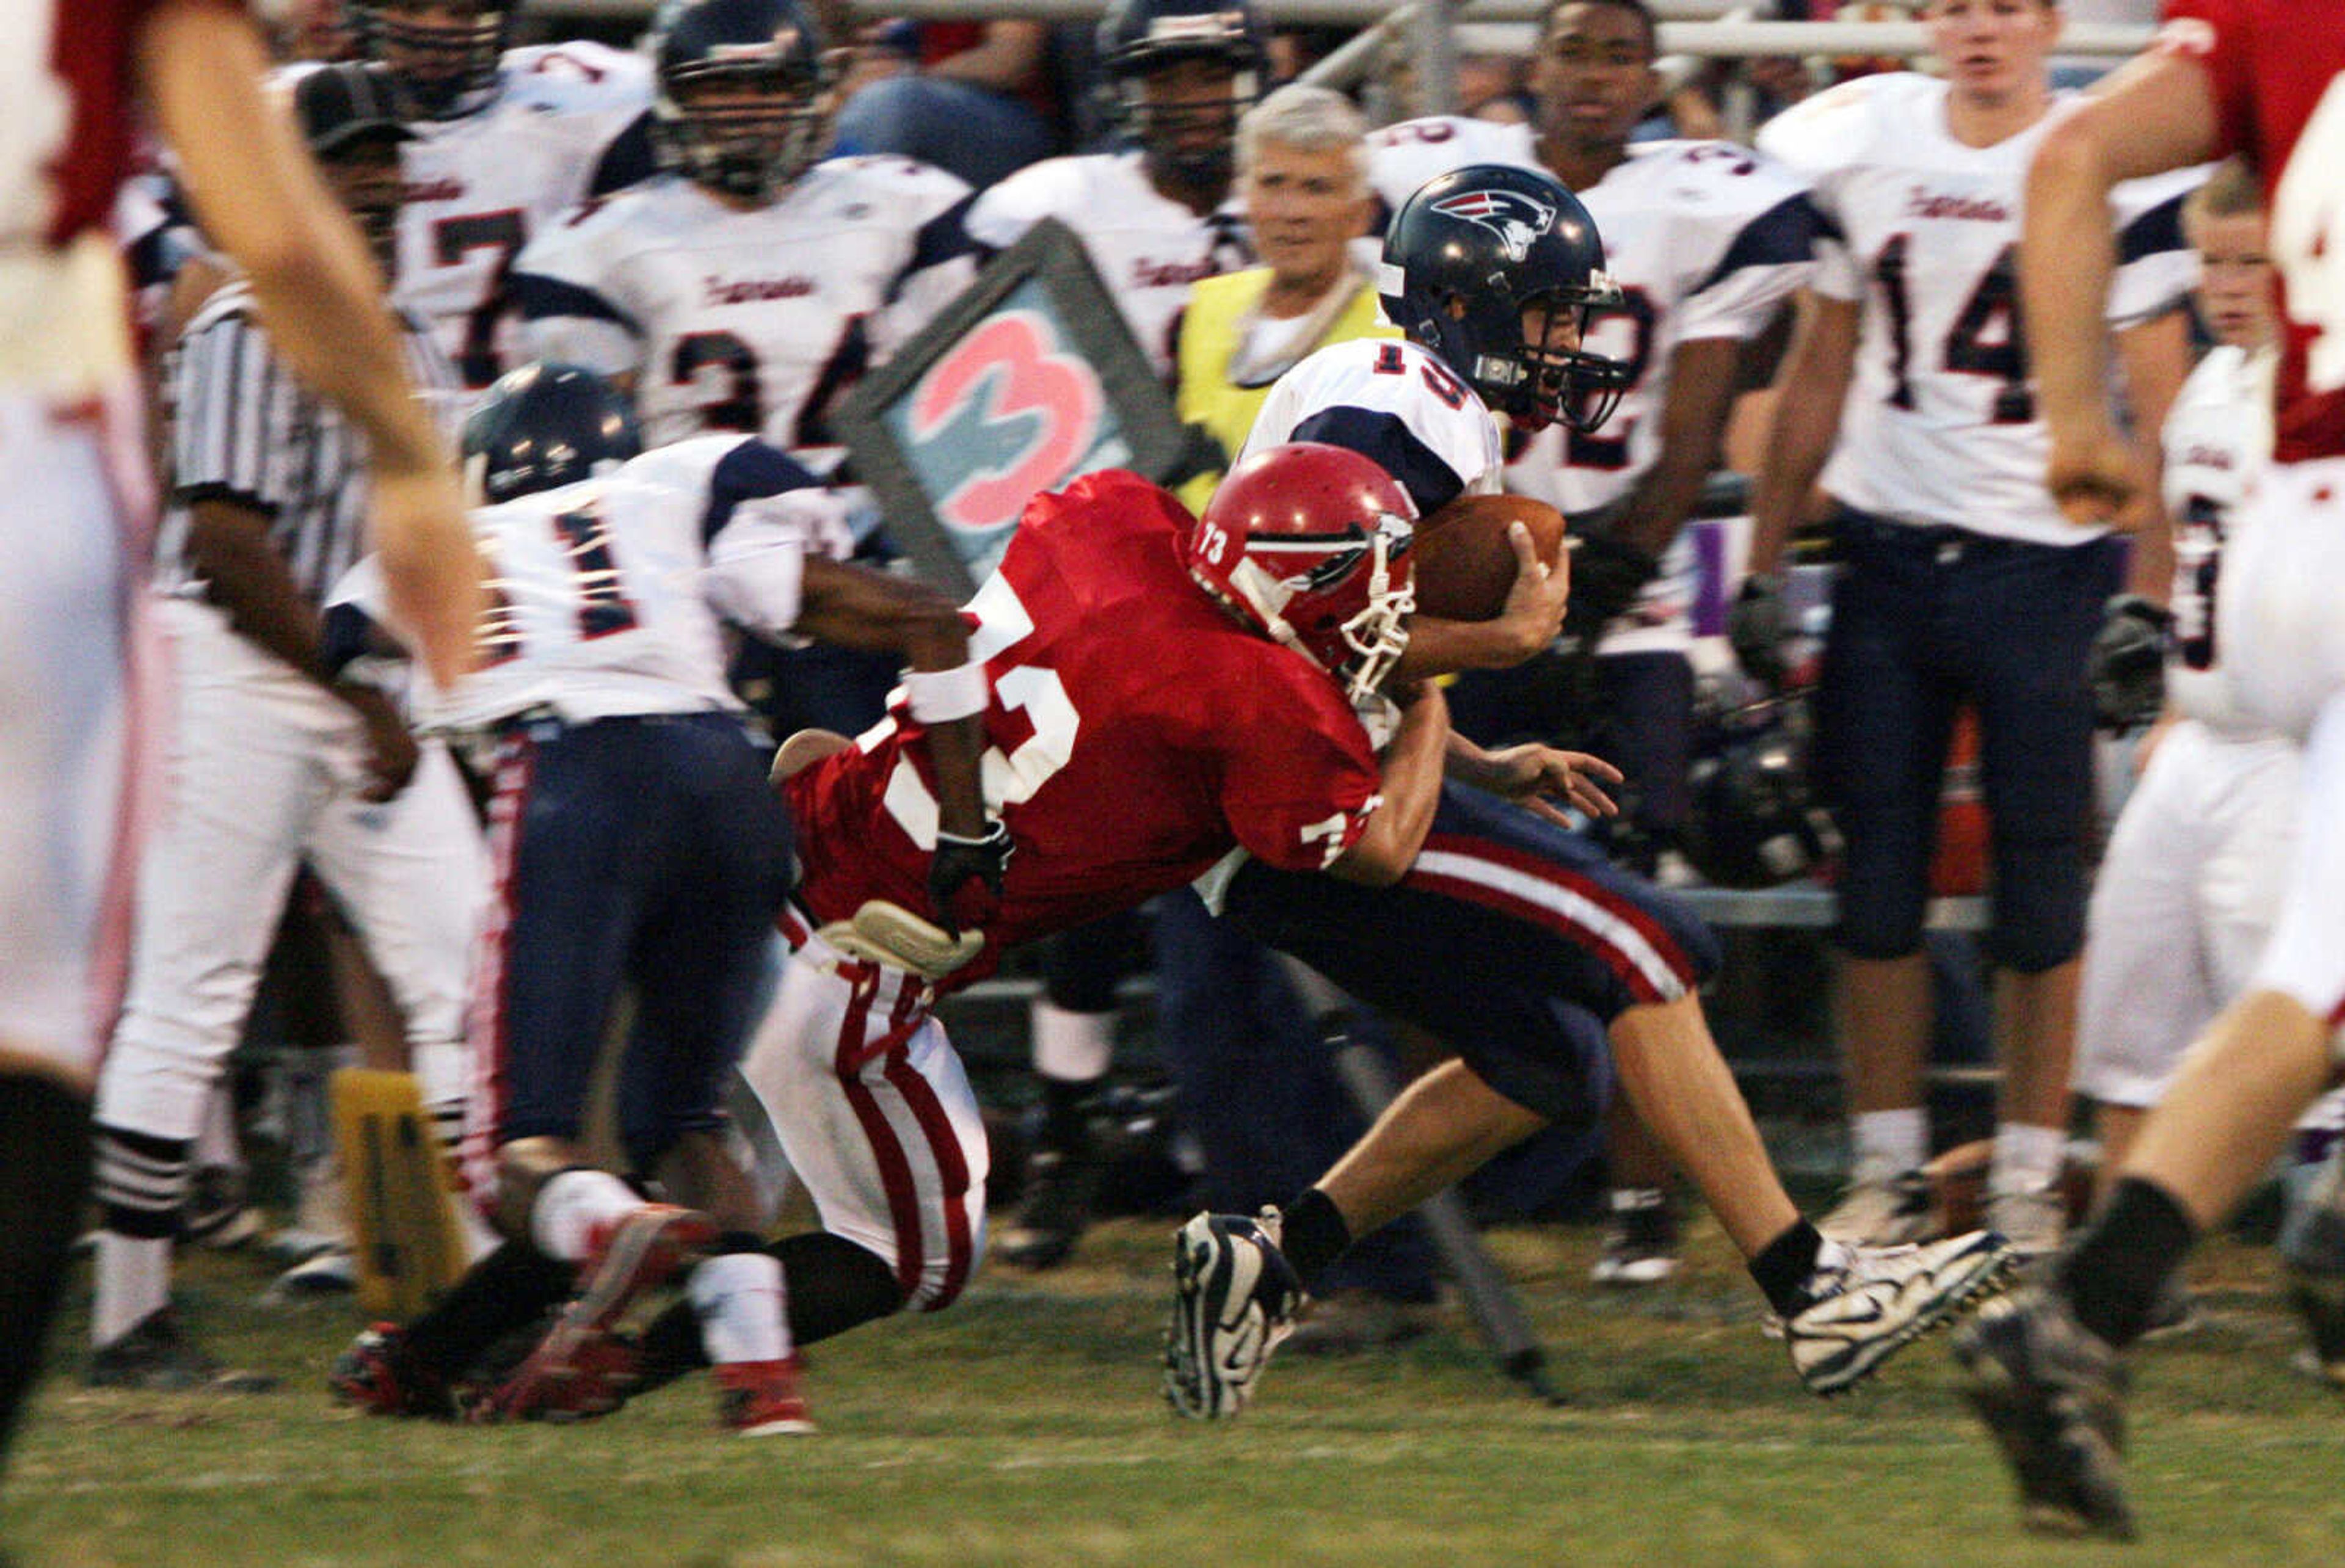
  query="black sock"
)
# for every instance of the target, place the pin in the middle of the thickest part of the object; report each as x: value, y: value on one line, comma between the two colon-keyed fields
x: 1314, y: 1235
x: 45, y: 1166
x: 509, y: 1290
x: 1784, y: 1266
x: 833, y: 1285
x: 1066, y: 1128
x: 2112, y: 1276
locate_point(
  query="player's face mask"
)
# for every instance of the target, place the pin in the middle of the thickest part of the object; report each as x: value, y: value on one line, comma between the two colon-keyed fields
x: 1562, y: 379
x: 747, y: 128
x: 1184, y: 112
x: 442, y: 53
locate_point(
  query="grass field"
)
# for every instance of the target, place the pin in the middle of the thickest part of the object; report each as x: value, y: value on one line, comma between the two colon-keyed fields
x: 1024, y: 1427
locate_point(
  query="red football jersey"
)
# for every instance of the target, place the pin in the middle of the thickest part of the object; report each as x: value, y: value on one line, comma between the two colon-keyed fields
x: 1138, y: 733
x: 2274, y: 66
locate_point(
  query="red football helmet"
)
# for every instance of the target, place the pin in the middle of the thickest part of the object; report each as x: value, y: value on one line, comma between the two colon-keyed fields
x: 1310, y: 545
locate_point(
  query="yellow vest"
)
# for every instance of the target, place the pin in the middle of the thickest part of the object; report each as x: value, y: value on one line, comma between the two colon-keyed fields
x: 1209, y: 337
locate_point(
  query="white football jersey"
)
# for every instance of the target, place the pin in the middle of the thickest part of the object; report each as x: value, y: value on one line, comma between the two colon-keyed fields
x: 1146, y: 248
x: 605, y: 597
x: 480, y: 186
x: 1706, y: 239
x: 1939, y: 426
x: 2217, y: 436
x: 748, y: 321
x: 1395, y: 403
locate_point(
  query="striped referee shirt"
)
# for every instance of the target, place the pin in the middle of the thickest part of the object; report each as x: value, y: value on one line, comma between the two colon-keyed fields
x: 244, y: 430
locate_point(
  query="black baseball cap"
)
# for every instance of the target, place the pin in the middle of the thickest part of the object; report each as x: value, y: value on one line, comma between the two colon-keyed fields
x: 337, y: 105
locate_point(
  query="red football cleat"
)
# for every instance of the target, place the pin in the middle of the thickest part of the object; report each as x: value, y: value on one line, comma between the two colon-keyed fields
x: 581, y: 1369
x: 761, y: 1398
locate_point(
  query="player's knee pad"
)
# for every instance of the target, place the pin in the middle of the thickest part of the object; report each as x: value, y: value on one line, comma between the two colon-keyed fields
x: 2039, y: 905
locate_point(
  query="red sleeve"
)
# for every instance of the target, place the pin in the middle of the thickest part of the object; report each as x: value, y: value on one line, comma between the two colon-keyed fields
x: 1298, y: 780
x: 2218, y: 34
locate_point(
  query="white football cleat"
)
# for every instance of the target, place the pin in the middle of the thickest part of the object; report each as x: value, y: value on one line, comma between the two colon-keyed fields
x: 1879, y: 1300
x: 1233, y: 1300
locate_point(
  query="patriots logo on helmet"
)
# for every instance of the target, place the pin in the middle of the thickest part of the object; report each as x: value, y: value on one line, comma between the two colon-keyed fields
x: 1515, y: 218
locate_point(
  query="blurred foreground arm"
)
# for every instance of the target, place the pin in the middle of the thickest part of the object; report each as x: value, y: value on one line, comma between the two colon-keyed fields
x: 261, y: 200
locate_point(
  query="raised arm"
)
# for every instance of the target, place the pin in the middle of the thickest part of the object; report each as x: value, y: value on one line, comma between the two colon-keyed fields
x: 2157, y: 114
x: 261, y: 200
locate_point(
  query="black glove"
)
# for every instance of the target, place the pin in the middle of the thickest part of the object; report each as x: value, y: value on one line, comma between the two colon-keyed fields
x: 1755, y: 626
x: 1607, y: 573
x: 2128, y: 662
x: 965, y: 877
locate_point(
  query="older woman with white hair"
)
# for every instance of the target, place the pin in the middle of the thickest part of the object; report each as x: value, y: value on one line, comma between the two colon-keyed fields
x: 1302, y: 161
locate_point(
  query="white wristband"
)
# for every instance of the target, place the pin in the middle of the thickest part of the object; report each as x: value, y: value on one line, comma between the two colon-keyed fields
x: 940, y: 696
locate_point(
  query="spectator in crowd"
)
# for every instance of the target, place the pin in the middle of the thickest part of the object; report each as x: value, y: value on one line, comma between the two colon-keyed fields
x: 978, y: 103
x: 270, y: 760
x: 1962, y: 581
x: 1227, y: 1012
x: 75, y: 524
x: 1707, y: 241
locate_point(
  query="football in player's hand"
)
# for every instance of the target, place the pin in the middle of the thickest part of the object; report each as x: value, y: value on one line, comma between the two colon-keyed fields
x: 1465, y: 563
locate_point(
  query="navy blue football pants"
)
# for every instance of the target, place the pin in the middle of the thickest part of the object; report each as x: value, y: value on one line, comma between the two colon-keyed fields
x: 1513, y: 939
x: 643, y: 851
x: 1924, y: 620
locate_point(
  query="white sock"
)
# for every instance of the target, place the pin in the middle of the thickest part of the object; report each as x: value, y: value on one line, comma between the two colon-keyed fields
x: 442, y: 1080
x: 1889, y: 1142
x: 133, y: 1280
x: 1074, y: 1047
x: 743, y: 1306
x: 216, y: 1141
x: 2027, y: 1158
x: 572, y: 1205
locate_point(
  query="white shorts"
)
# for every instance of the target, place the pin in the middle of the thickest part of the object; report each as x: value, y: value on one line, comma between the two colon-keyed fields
x: 74, y: 520
x: 262, y: 769
x: 2277, y: 619
x: 2306, y: 956
x: 2183, y: 906
x: 876, y: 1116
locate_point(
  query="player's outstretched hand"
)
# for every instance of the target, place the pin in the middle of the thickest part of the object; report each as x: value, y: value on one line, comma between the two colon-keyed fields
x: 965, y: 877
x: 1537, y: 776
x: 391, y: 754
x: 2095, y: 475
x: 1533, y: 615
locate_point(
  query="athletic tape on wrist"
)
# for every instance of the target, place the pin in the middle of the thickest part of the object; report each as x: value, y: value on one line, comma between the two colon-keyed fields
x: 940, y: 696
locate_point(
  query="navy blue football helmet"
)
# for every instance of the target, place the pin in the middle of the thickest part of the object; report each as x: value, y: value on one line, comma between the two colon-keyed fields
x: 545, y: 426
x: 1473, y: 253
x: 1193, y: 143
x: 766, y: 57
x: 443, y: 66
